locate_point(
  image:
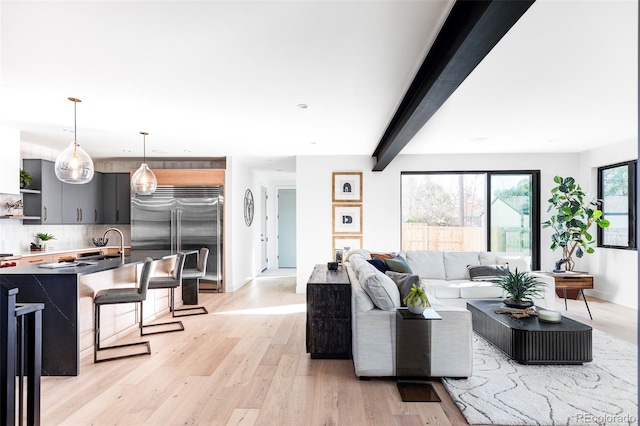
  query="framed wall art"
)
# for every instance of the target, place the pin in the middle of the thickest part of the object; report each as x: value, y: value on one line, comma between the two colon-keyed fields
x: 347, y: 187
x: 347, y: 218
x: 346, y: 243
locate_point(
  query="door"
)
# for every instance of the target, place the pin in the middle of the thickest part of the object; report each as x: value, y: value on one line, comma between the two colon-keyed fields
x: 264, y: 239
x: 286, y: 228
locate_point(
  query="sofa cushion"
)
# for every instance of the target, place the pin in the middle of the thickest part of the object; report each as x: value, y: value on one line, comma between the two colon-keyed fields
x: 479, y: 290
x: 455, y: 264
x: 522, y: 263
x: 382, y: 290
x: 500, y: 258
x: 487, y: 272
x: 404, y: 283
x: 362, y: 253
x: 398, y: 265
x: 427, y: 264
x: 442, y: 289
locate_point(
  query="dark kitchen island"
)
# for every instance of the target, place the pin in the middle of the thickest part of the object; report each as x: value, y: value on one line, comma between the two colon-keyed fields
x: 67, y: 294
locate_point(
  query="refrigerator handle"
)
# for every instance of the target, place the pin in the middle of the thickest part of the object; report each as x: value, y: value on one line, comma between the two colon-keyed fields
x: 179, y: 234
x: 173, y: 232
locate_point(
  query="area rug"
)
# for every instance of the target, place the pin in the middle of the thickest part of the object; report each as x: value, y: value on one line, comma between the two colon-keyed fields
x: 503, y: 392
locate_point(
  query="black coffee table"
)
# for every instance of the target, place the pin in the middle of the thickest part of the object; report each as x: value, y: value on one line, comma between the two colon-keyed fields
x: 530, y: 341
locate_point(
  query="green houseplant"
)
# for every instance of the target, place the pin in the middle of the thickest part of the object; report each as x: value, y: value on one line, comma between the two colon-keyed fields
x: 520, y: 286
x: 573, y: 215
x: 45, y: 238
x: 25, y: 178
x: 416, y: 300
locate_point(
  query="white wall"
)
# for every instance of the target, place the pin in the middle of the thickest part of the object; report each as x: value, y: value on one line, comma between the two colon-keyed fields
x: 10, y: 161
x: 615, y: 271
x: 243, y: 242
x: 381, y: 197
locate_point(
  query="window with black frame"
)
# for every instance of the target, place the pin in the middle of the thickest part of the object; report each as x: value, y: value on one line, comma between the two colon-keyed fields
x: 617, y: 192
x: 472, y: 211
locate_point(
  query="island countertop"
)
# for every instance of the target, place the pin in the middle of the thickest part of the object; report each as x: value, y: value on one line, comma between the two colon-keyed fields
x: 68, y: 293
x: 109, y: 262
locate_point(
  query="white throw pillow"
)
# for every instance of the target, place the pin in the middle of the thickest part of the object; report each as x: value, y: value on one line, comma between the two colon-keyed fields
x: 382, y: 290
x: 522, y: 263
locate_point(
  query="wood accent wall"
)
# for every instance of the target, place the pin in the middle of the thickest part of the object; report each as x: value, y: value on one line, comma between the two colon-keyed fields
x: 189, y: 176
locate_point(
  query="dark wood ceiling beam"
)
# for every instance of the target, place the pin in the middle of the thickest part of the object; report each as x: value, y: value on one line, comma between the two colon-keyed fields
x: 469, y: 33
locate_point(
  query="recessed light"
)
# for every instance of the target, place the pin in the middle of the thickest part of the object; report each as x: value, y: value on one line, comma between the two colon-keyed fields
x: 186, y: 150
x: 479, y: 139
x: 303, y: 106
x: 68, y: 130
x: 157, y: 151
x: 313, y: 143
x: 126, y: 150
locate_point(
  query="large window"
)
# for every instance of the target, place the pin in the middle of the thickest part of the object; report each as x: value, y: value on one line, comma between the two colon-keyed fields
x: 617, y: 190
x: 472, y: 211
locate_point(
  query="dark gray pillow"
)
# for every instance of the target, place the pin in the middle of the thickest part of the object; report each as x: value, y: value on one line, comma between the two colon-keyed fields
x: 487, y: 272
x: 404, y: 283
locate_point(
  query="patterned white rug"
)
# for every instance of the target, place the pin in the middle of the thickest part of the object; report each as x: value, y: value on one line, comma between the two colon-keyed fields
x: 503, y: 392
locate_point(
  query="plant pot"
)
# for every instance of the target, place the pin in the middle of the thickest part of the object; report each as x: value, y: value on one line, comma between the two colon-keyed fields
x: 522, y: 304
x: 418, y: 309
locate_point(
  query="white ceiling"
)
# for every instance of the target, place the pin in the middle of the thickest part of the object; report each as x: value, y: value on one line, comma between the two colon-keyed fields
x: 218, y: 78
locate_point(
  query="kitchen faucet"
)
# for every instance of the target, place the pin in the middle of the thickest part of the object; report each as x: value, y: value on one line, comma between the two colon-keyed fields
x: 121, y: 241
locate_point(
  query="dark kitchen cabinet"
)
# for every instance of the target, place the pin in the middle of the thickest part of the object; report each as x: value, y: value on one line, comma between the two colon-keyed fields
x: 329, y: 313
x: 47, y: 205
x: 82, y: 204
x: 116, y: 198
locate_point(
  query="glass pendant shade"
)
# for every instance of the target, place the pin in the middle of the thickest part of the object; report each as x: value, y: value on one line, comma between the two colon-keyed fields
x: 74, y: 165
x: 144, y: 182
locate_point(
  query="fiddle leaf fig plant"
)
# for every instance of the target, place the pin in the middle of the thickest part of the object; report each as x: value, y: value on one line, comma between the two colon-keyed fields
x: 573, y: 214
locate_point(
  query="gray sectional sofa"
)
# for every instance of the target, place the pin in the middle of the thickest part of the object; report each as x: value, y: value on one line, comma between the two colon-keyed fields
x: 445, y: 276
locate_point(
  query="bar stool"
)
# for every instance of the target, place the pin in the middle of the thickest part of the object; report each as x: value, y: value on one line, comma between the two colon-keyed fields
x: 112, y: 296
x: 171, y: 282
x: 191, y: 275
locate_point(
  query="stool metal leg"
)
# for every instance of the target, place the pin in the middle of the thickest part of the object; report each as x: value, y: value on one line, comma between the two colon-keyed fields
x: 97, y: 347
x: 180, y: 326
x: 585, y: 302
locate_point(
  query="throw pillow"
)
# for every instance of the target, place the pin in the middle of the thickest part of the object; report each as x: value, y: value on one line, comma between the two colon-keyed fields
x: 522, y: 263
x: 379, y: 264
x: 398, y: 265
x: 487, y: 272
x: 382, y: 290
x: 382, y: 256
x: 404, y: 283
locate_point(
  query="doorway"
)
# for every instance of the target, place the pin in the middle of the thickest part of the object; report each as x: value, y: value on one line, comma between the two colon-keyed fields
x: 287, y: 228
x: 264, y: 238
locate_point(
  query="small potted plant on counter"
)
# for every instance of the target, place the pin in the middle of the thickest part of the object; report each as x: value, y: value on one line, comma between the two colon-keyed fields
x: 45, y: 238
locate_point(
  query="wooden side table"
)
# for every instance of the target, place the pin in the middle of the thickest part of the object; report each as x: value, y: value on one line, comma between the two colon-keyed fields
x: 573, y: 281
x: 329, y: 313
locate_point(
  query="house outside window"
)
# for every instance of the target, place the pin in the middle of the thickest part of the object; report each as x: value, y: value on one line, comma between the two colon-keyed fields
x: 617, y: 192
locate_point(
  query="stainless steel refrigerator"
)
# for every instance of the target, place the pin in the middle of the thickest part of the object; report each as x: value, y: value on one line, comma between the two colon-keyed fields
x: 181, y: 218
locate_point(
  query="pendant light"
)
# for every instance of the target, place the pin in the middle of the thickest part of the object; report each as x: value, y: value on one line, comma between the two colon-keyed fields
x: 144, y: 182
x: 74, y: 165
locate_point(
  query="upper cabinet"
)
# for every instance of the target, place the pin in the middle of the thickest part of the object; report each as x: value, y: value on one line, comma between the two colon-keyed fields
x: 82, y: 203
x: 10, y: 170
x: 48, y: 203
x: 106, y: 199
x: 116, y: 198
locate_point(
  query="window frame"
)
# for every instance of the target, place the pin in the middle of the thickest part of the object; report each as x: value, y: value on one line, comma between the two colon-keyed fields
x: 632, y: 166
x: 535, y: 208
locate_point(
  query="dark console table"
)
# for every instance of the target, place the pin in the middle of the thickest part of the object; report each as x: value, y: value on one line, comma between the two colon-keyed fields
x: 329, y: 313
x: 530, y: 341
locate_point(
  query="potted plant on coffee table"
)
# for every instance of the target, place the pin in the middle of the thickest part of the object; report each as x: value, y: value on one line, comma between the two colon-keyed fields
x: 416, y: 300
x: 520, y: 287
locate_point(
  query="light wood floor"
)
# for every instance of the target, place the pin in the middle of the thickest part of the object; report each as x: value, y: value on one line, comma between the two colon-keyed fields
x: 245, y: 364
